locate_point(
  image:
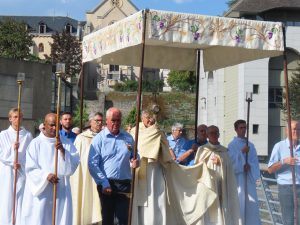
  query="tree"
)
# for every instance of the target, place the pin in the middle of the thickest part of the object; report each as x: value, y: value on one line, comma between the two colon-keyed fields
x: 15, y: 40
x: 130, y: 118
x: 132, y: 86
x: 182, y: 80
x: 76, y: 117
x: 294, y: 94
x: 66, y: 49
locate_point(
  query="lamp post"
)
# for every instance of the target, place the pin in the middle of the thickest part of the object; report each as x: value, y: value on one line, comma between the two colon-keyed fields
x: 20, y: 81
x: 60, y: 70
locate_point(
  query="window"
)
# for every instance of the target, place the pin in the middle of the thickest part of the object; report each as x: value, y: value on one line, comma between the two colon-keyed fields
x: 42, y: 28
x: 275, y: 97
x: 255, y: 89
x: 113, y: 68
x: 68, y: 28
x: 41, y: 47
x: 255, y: 129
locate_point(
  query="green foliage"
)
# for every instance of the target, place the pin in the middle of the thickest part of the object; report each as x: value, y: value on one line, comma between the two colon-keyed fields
x: 132, y: 86
x: 15, y: 40
x: 294, y: 94
x: 66, y: 49
x: 182, y: 81
x: 76, y: 116
x: 130, y: 119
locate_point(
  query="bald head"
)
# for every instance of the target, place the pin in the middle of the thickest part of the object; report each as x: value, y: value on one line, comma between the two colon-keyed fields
x: 50, y: 125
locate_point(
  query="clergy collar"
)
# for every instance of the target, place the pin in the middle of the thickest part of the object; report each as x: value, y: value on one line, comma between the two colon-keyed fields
x: 21, y: 131
x: 50, y: 139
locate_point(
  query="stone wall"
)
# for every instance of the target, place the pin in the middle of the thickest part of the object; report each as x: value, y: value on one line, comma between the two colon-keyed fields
x: 174, y: 107
x: 36, y: 94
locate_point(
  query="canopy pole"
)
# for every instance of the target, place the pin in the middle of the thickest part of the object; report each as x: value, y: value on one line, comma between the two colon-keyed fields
x: 288, y: 107
x: 197, y: 89
x: 81, y: 96
x: 138, y: 112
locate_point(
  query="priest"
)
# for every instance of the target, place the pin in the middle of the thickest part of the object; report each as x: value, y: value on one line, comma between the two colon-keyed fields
x: 8, y: 145
x: 216, y: 158
x: 86, y: 203
x: 38, y: 194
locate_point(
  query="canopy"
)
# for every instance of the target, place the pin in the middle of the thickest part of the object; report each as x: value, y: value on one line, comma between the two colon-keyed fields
x: 172, y: 40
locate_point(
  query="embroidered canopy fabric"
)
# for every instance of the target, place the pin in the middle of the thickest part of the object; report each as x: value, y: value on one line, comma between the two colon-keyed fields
x: 172, y: 40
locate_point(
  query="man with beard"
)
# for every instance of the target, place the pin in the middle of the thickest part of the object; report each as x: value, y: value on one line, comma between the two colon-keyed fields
x: 40, y: 177
x: 8, y: 146
x: 66, y: 122
x: 85, y: 198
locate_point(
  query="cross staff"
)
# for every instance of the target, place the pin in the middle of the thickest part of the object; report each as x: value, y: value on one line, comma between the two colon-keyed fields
x: 60, y: 69
x: 20, y: 80
x: 246, y: 167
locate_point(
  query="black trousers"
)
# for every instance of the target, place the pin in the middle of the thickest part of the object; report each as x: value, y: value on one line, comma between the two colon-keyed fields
x: 115, y: 206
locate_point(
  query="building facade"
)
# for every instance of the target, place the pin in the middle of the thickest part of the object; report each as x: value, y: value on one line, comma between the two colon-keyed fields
x: 223, y: 92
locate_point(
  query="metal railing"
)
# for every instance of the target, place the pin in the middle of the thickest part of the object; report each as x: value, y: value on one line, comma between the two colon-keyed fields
x: 269, y: 206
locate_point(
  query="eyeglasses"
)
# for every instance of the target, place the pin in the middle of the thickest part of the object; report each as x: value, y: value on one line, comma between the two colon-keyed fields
x: 98, y: 121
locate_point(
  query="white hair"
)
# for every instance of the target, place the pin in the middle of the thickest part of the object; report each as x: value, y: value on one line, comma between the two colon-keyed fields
x: 177, y: 126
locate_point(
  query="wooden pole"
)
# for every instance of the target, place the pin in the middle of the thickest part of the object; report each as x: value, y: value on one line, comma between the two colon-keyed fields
x: 288, y: 108
x: 248, y: 100
x: 197, y: 90
x: 81, y: 96
x: 138, y: 112
x: 56, y: 150
x: 16, y: 160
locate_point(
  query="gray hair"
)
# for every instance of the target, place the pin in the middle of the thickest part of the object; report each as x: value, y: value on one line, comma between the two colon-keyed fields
x: 112, y: 110
x: 93, y: 114
x: 177, y: 126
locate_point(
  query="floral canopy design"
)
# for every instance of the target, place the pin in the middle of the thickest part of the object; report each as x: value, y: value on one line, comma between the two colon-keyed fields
x: 173, y: 38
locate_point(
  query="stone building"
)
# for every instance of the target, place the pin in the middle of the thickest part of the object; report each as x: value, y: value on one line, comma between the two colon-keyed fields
x: 42, y: 27
x: 103, y: 77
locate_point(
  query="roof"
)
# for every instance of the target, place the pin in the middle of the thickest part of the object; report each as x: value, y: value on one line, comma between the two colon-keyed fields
x: 53, y: 23
x: 258, y: 6
x: 102, y: 3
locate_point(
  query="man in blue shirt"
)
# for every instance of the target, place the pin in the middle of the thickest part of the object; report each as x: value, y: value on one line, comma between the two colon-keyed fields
x: 191, y: 146
x: 110, y: 159
x: 66, y: 123
x: 176, y: 142
x: 280, y: 163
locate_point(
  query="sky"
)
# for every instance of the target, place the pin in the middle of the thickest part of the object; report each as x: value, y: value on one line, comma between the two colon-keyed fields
x: 76, y: 8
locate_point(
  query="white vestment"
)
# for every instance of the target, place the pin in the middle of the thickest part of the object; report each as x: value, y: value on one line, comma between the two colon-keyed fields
x: 86, y: 202
x: 38, y: 194
x: 7, y: 156
x: 239, y: 159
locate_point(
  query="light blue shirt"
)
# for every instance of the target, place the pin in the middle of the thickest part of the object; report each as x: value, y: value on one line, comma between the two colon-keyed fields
x: 281, y: 151
x: 176, y: 145
x: 109, y: 157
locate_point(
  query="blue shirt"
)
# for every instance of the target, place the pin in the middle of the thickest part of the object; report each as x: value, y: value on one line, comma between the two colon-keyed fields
x: 188, y: 145
x: 69, y: 135
x: 176, y: 145
x: 281, y: 151
x: 109, y: 157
